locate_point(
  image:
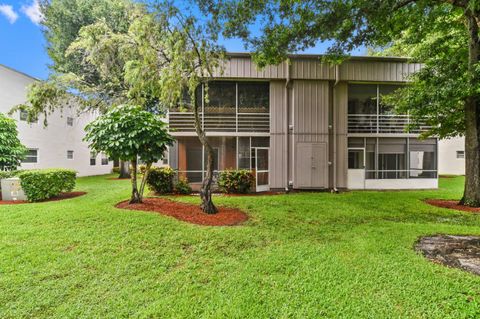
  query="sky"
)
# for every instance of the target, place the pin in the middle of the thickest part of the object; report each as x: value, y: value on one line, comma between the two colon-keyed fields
x: 22, y: 46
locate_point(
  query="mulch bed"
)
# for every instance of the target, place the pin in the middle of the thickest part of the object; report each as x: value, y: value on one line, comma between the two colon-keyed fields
x: 62, y: 196
x: 452, y: 204
x: 461, y: 252
x: 117, y: 179
x: 188, y: 212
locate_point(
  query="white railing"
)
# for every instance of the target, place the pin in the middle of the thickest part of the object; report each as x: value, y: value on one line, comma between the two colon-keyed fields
x: 382, y: 123
x: 400, y: 174
x: 221, y: 122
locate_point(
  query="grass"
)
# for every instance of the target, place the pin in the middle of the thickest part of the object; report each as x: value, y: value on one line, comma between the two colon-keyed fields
x: 304, y: 255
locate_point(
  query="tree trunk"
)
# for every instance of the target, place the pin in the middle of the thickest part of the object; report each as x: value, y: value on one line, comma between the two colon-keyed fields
x: 135, y: 198
x: 144, y: 180
x: 206, y: 190
x: 124, y: 171
x: 471, y: 195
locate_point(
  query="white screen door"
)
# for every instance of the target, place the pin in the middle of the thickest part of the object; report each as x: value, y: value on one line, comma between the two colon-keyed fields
x: 261, y: 169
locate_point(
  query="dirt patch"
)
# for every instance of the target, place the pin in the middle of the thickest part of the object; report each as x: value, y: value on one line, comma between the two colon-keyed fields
x: 452, y: 204
x: 62, y: 196
x: 461, y: 252
x: 188, y: 212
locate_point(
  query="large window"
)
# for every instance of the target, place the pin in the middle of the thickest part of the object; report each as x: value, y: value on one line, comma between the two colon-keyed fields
x: 394, y: 158
x: 253, y: 97
x: 221, y: 97
x: 31, y: 156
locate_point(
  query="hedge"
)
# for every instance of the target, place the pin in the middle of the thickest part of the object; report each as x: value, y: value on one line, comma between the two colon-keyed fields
x: 236, y: 181
x: 46, y: 183
x: 160, y: 180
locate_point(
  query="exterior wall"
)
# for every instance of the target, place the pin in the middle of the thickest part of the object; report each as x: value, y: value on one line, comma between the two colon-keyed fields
x: 54, y: 140
x: 278, y: 135
x: 420, y: 183
x: 341, y: 150
x: 310, y: 133
x: 448, y: 163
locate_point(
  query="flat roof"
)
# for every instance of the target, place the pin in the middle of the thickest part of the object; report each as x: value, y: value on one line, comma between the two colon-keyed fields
x: 318, y: 56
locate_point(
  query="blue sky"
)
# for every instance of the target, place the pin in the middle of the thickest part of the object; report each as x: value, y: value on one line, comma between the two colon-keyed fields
x: 23, y: 45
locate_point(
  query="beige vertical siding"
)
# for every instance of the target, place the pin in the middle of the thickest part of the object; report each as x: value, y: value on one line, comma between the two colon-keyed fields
x: 340, y: 107
x: 311, y: 68
x: 278, y: 135
x: 377, y: 71
x: 310, y: 120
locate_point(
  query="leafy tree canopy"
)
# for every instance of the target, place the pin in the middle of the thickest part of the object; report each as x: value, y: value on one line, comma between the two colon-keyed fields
x: 11, y: 150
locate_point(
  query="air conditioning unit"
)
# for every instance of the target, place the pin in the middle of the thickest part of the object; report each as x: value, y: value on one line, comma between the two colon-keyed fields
x: 12, y: 190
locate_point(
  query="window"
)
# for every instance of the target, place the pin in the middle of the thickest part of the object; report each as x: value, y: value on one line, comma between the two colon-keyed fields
x: 460, y: 154
x: 70, y: 155
x: 362, y: 99
x: 165, y: 157
x: 104, y: 159
x: 356, y: 159
x: 253, y: 97
x: 221, y: 97
x: 70, y: 121
x: 23, y: 115
x: 93, y: 158
x: 31, y: 156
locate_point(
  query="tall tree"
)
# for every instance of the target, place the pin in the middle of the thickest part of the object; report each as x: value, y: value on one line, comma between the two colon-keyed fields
x: 157, y: 56
x: 447, y: 88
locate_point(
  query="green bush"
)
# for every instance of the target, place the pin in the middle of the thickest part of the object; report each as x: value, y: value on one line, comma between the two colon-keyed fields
x: 182, y: 187
x: 43, y: 184
x: 236, y: 181
x: 142, y: 168
x: 116, y: 170
x: 160, y: 179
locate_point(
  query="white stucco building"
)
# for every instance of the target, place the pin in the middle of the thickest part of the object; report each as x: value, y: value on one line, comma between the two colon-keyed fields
x: 451, y: 154
x: 59, y: 145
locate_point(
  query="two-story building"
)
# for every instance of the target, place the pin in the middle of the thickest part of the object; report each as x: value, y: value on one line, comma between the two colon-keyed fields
x: 305, y: 124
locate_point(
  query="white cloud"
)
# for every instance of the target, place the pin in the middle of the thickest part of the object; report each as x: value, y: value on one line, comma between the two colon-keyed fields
x: 7, y: 11
x: 33, y: 12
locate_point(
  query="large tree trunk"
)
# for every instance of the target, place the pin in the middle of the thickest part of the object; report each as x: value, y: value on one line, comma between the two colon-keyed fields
x: 124, y: 171
x: 206, y: 190
x: 135, y: 198
x: 471, y: 195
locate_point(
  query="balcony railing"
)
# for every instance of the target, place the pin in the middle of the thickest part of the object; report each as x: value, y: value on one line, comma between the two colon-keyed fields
x: 382, y: 123
x: 221, y: 122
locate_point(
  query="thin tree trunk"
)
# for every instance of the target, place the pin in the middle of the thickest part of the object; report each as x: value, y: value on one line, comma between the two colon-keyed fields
x: 135, y: 198
x: 206, y: 190
x: 471, y: 195
x: 124, y: 171
x: 144, y: 180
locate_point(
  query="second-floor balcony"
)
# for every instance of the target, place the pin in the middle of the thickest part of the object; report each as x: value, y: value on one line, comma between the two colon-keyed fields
x: 382, y: 124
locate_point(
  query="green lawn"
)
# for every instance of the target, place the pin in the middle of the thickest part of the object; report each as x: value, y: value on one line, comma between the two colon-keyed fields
x: 306, y: 255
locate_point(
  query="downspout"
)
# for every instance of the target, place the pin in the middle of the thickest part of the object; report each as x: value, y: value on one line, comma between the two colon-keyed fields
x: 334, y: 127
x: 287, y: 135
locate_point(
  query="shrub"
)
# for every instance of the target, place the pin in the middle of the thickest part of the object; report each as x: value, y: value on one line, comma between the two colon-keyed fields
x: 142, y: 168
x: 236, y: 181
x: 46, y: 183
x: 116, y: 170
x: 160, y: 179
x: 182, y: 187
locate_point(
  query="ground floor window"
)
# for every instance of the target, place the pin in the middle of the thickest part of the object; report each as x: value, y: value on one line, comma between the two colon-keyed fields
x: 394, y: 158
x: 189, y: 157
x: 93, y: 158
x: 31, y: 156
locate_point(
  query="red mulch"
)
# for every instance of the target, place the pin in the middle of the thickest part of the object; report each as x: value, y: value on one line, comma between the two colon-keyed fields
x: 117, y: 178
x: 188, y: 212
x: 62, y: 196
x: 452, y: 204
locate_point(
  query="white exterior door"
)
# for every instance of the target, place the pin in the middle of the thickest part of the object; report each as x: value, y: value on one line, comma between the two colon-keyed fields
x: 261, y: 169
x: 356, y: 168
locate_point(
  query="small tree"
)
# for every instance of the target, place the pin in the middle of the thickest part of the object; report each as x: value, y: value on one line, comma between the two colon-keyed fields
x: 11, y: 150
x: 130, y: 133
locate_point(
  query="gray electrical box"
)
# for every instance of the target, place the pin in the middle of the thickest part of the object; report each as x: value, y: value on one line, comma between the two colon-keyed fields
x: 12, y: 190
